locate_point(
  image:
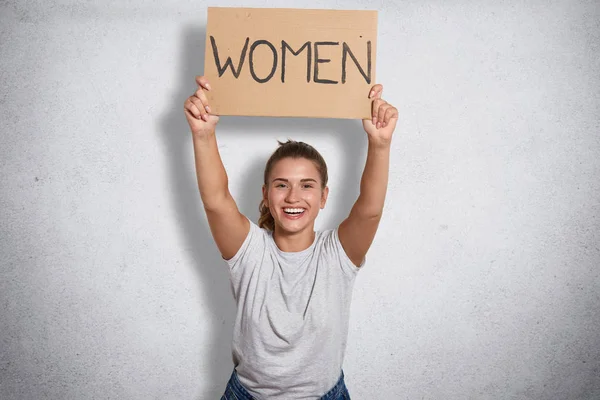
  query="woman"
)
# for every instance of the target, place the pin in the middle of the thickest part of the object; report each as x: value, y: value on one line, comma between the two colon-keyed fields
x: 292, y: 285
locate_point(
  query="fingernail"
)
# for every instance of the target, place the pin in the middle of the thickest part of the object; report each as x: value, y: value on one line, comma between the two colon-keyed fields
x: 207, y: 108
x: 371, y: 94
x: 378, y: 125
x: 208, y: 86
x: 204, y: 118
x: 374, y: 120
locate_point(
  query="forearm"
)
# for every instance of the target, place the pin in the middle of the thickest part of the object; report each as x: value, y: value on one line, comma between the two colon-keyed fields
x: 212, y: 178
x: 374, y: 182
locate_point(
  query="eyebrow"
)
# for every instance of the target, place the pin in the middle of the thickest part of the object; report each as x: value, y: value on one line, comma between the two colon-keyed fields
x: 301, y: 180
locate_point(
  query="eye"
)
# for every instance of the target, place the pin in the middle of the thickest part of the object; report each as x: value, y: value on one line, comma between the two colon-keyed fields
x: 280, y: 185
x: 308, y: 185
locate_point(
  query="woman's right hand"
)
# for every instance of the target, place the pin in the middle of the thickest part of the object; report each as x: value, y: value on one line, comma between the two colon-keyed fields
x: 197, y: 111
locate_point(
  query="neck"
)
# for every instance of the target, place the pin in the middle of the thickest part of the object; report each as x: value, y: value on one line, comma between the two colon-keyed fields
x: 293, y: 242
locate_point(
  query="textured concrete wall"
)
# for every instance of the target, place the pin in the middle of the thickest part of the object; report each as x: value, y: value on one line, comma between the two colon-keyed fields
x: 483, y: 281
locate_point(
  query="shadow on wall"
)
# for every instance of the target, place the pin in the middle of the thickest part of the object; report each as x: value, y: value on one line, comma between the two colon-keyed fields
x: 212, y: 273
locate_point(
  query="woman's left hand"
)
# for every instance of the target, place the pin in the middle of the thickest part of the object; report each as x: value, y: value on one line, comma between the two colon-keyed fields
x: 383, y: 118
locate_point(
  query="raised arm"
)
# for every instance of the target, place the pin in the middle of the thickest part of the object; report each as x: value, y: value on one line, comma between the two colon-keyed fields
x: 228, y: 226
x: 357, y: 232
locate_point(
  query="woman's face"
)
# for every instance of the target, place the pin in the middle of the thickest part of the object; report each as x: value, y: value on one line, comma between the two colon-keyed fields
x: 293, y: 194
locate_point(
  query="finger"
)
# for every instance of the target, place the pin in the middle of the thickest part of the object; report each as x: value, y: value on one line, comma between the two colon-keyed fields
x: 377, y: 104
x: 198, y: 103
x: 200, y: 107
x: 202, y: 96
x: 376, y: 91
x: 381, y: 114
x: 192, y: 109
x: 374, y: 109
x: 202, y: 82
x: 390, y: 113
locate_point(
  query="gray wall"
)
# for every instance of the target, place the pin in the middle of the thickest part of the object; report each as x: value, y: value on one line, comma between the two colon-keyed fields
x: 483, y: 281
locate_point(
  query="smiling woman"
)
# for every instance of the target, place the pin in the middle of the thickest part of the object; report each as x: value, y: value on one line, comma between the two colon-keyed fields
x: 292, y: 285
x: 294, y: 190
x: 295, y: 177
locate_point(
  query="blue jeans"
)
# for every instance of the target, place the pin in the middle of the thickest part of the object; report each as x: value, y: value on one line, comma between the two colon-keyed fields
x: 235, y: 390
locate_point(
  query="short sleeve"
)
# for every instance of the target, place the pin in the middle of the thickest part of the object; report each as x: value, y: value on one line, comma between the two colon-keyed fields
x: 335, y: 247
x: 250, y: 251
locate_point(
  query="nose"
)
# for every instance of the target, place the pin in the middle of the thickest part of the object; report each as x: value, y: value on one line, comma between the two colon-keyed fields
x: 292, y: 195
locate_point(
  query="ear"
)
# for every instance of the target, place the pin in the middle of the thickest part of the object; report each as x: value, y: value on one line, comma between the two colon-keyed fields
x: 324, y: 196
x: 265, y: 195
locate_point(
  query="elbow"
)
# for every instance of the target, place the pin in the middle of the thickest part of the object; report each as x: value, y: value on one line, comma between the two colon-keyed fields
x: 214, y: 201
x: 366, y: 214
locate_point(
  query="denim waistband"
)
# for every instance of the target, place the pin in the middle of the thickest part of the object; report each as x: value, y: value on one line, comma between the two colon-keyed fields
x: 241, y: 393
x: 335, y: 391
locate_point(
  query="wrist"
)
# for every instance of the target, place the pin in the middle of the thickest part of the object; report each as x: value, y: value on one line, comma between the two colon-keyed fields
x: 203, y: 135
x: 380, y: 144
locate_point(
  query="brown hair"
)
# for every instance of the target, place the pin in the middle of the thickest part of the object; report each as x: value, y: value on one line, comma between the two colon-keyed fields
x: 289, y: 149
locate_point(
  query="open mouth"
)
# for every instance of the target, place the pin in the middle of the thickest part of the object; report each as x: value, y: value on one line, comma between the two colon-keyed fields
x: 294, y: 213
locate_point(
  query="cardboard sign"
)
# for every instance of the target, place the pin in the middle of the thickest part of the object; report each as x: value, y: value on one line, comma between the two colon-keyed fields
x: 290, y: 62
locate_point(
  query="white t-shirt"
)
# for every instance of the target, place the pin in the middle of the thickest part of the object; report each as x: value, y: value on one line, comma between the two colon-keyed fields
x: 293, y: 308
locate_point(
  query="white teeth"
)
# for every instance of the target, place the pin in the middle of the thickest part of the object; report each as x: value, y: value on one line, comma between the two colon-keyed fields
x: 293, y: 210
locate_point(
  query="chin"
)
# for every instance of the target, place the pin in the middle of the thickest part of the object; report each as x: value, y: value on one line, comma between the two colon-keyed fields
x: 294, y: 226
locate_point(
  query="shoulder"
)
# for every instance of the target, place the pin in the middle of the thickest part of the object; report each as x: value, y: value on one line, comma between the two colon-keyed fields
x: 255, y: 241
x: 330, y: 246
